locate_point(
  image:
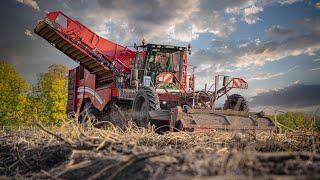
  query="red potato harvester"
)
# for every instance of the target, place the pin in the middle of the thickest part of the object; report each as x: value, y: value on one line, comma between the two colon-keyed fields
x: 148, y: 82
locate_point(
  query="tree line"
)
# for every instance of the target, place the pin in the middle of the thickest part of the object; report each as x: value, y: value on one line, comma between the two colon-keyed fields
x: 21, y: 102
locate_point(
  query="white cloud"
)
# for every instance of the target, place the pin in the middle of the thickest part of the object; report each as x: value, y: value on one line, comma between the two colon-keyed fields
x: 277, y: 30
x: 27, y: 32
x: 156, y: 21
x: 265, y: 76
x: 273, y: 51
x: 243, y: 45
x: 317, y: 5
x: 233, y: 10
x: 213, y: 22
x: 229, y: 57
x: 287, y: 2
x: 164, y: 21
x: 31, y: 3
x: 293, y: 68
x: 257, y: 91
x: 182, y: 32
x: 314, y: 69
x: 312, y: 23
x: 250, y: 9
x: 250, y: 15
x: 257, y: 41
x: 296, y: 82
x: 180, y: 20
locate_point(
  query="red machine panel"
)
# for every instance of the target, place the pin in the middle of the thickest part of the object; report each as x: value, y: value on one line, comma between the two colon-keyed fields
x: 112, y: 51
x: 84, y: 46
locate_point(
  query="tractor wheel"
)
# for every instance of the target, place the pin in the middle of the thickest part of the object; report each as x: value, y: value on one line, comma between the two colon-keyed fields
x: 146, y: 100
x: 88, y: 113
x: 236, y: 102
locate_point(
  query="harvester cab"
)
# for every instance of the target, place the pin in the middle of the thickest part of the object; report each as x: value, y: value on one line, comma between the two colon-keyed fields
x: 150, y: 83
x: 160, y: 66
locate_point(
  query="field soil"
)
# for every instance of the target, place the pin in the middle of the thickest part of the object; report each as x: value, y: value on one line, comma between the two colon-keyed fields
x: 72, y: 152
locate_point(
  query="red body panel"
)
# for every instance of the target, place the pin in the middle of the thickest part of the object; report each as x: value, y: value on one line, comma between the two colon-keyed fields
x: 85, y: 90
x: 120, y: 56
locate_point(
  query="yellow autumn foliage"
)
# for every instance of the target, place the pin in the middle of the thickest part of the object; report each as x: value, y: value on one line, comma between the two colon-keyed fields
x: 21, y: 105
x: 13, y: 95
x: 52, y: 94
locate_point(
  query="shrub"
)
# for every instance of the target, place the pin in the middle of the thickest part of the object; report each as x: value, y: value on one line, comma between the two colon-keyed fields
x: 299, y: 121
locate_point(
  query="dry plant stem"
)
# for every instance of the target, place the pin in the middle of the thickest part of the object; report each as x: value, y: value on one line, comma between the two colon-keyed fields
x: 50, y: 176
x: 134, y: 160
x: 123, y: 165
x: 71, y: 167
x: 119, y: 110
x: 121, y: 153
x: 22, y: 159
x: 53, y: 134
x: 101, y: 145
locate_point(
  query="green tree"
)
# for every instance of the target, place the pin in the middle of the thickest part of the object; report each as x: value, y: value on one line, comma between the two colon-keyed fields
x: 299, y: 121
x: 50, y: 95
x: 13, y: 95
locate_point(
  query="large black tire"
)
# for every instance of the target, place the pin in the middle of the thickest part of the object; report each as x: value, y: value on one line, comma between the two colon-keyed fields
x: 236, y: 102
x: 88, y: 113
x: 146, y: 100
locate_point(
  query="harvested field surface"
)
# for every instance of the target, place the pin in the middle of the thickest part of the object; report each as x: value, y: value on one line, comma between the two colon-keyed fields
x: 71, y: 152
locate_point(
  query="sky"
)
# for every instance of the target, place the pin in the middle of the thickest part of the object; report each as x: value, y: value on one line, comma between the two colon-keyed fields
x: 273, y: 44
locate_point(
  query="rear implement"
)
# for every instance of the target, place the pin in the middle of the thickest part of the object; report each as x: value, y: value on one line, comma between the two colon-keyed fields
x: 201, y: 120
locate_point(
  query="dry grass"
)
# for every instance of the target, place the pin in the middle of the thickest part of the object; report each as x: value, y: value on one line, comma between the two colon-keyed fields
x: 72, y: 151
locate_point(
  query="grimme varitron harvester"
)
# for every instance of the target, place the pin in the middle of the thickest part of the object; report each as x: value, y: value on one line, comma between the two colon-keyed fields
x: 149, y: 82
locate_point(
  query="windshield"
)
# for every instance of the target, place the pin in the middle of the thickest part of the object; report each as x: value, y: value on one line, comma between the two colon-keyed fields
x: 159, y: 62
x: 165, y: 62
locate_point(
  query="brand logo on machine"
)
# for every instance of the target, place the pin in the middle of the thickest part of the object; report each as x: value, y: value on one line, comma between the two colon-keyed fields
x: 90, y: 91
